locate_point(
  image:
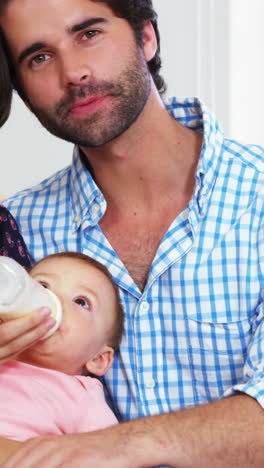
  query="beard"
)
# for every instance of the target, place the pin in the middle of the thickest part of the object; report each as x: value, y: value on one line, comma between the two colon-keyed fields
x: 128, y: 94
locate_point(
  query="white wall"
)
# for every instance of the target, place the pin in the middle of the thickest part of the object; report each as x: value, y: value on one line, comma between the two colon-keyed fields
x: 247, y: 70
x: 210, y: 48
x: 194, y: 43
x: 28, y: 153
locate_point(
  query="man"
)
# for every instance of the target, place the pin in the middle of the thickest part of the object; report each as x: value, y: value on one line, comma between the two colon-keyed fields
x: 173, y: 209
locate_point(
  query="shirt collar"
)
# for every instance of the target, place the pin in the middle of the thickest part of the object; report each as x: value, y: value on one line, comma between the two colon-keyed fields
x: 192, y: 113
x: 87, y: 199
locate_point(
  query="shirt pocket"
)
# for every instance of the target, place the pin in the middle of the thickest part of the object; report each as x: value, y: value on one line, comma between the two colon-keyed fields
x: 217, y: 353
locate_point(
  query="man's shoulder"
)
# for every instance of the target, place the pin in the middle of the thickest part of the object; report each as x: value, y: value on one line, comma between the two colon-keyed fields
x: 249, y: 156
x: 47, y: 187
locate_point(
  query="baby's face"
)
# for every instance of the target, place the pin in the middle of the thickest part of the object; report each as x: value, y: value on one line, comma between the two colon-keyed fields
x: 88, y: 305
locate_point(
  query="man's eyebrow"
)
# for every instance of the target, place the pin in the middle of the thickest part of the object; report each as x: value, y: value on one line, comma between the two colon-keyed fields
x: 35, y: 47
x: 86, y: 24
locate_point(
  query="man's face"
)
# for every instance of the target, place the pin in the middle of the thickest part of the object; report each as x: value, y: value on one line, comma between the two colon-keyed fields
x: 84, y: 76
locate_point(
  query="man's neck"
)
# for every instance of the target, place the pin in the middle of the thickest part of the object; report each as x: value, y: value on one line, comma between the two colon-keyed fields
x: 155, y: 157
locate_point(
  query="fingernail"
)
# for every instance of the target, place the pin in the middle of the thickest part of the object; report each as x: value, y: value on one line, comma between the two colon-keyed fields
x: 50, y: 323
x: 44, y: 312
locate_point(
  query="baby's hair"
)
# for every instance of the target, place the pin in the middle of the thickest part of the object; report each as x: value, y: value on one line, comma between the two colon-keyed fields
x: 118, y: 329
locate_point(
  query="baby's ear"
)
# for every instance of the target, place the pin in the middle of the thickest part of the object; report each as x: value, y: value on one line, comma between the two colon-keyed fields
x: 100, y: 364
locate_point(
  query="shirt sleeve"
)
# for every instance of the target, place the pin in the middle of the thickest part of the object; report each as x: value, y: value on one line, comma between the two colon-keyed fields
x: 253, y: 372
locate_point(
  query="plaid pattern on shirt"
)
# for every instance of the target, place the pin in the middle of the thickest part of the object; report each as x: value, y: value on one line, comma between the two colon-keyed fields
x: 196, y: 332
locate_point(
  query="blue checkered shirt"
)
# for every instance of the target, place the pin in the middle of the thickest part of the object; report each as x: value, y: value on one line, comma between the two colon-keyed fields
x: 196, y: 332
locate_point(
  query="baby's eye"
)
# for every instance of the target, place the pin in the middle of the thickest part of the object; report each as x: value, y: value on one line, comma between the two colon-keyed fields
x: 44, y: 284
x: 83, y: 302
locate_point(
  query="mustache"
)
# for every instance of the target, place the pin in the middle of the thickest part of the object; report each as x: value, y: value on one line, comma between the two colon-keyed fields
x: 85, y: 91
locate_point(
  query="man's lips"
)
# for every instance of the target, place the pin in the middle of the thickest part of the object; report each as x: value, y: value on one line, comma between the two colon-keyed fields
x: 86, y: 106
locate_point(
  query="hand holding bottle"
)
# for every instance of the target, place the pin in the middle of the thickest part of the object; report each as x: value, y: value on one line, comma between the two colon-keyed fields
x: 19, y: 296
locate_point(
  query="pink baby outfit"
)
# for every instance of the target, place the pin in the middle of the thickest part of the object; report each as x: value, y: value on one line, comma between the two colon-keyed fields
x: 36, y: 401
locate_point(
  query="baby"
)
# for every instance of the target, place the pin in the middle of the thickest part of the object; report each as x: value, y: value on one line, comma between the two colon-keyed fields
x: 46, y: 390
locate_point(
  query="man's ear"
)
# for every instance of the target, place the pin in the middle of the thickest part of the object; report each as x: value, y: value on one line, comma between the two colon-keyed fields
x: 149, y: 41
x: 103, y: 360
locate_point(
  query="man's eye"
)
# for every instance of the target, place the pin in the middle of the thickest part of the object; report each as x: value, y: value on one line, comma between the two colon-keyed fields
x: 40, y: 58
x: 90, y: 34
x: 81, y: 301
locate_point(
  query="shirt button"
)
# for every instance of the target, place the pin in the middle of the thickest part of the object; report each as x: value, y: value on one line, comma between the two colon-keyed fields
x: 95, y: 210
x: 144, y: 306
x: 150, y: 383
x: 77, y: 220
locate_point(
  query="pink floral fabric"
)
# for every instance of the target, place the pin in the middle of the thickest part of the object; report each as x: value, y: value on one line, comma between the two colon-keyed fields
x: 12, y: 243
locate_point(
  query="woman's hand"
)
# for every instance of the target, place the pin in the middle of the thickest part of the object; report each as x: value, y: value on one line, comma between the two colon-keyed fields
x: 21, y: 333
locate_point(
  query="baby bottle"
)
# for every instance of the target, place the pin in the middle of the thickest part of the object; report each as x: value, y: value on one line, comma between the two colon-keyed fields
x: 21, y: 294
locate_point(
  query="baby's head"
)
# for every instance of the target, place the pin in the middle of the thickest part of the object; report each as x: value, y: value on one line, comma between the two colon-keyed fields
x: 92, y: 320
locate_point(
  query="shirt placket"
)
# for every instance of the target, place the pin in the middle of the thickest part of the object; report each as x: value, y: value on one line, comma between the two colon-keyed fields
x: 150, y: 325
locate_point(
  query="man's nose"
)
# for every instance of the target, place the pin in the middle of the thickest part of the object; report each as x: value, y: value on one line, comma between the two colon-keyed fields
x: 74, y: 70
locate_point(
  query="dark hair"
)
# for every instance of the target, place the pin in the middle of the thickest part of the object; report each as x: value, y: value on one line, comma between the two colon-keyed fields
x: 136, y: 12
x: 6, y: 90
x: 118, y: 328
